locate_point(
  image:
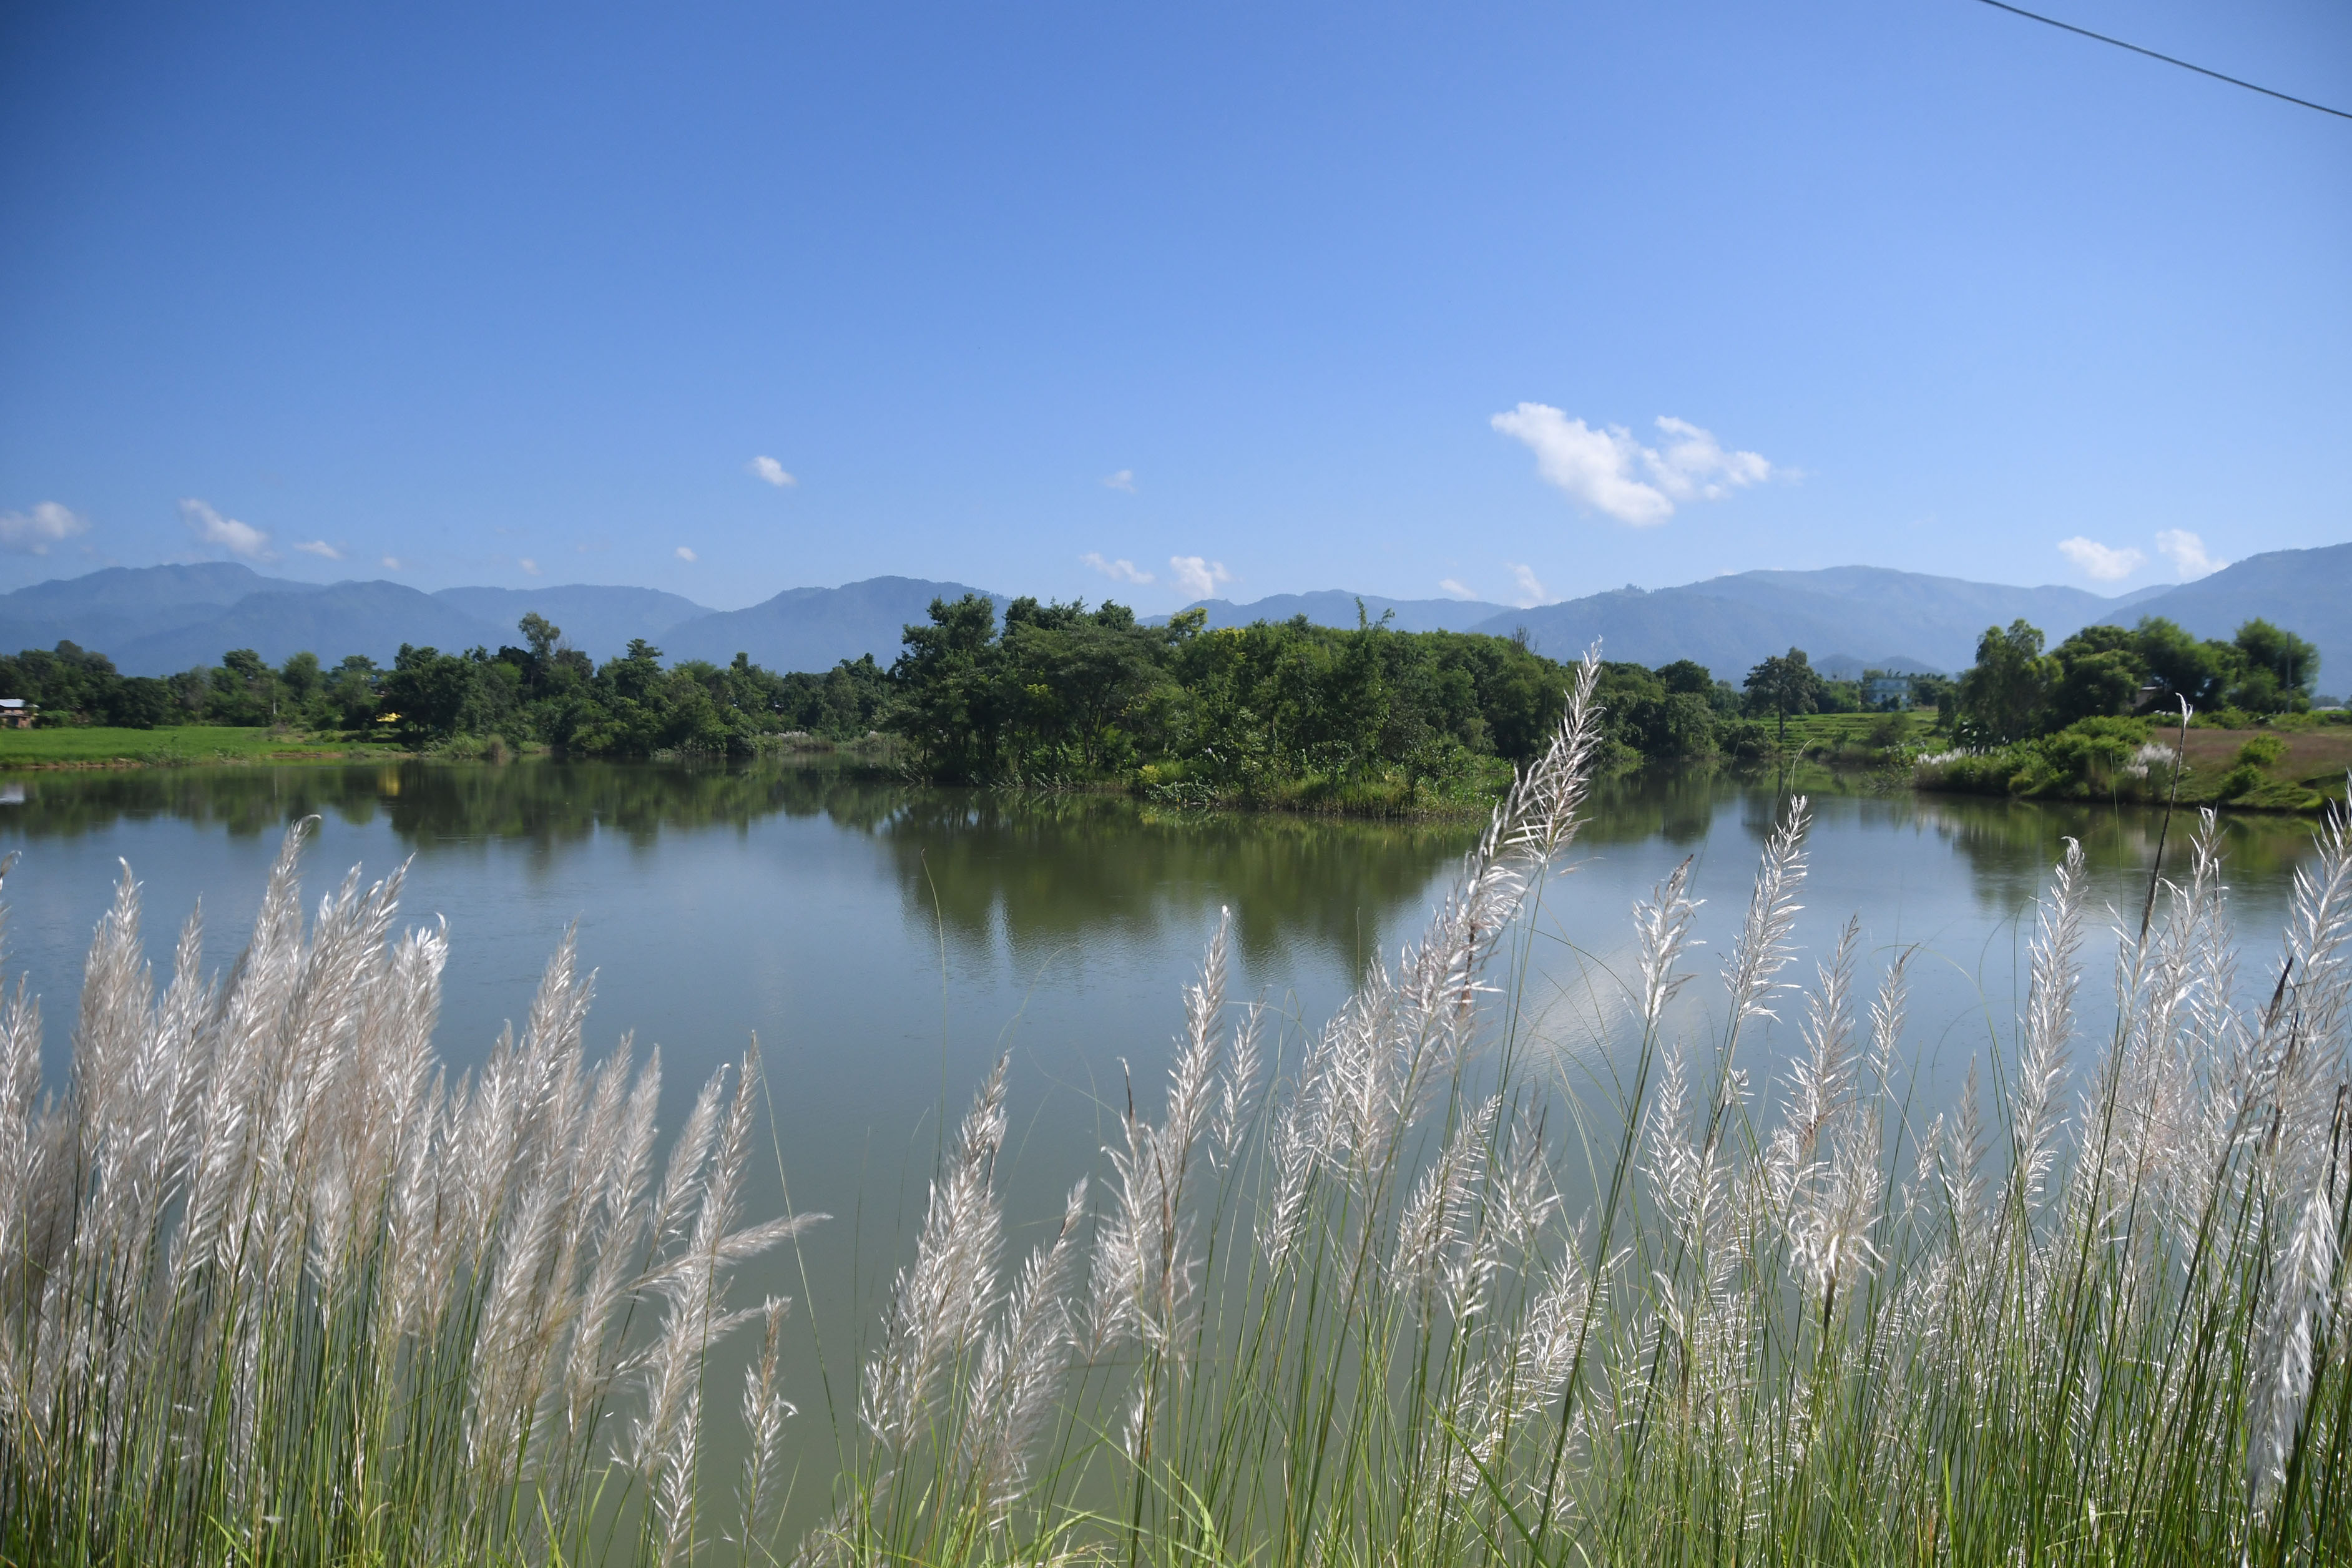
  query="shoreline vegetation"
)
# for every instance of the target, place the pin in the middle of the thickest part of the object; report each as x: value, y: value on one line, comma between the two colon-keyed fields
x: 271, y: 1289
x: 1287, y: 716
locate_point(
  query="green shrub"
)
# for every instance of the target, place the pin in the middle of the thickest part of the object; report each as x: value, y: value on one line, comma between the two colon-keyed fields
x: 2262, y: 752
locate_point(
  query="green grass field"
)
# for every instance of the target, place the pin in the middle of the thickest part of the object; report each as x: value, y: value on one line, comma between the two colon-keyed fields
x: 1851, y: 728
x: 98, y: 746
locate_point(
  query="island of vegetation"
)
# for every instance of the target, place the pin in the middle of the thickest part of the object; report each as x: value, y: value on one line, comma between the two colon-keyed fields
x: 1283, y: 714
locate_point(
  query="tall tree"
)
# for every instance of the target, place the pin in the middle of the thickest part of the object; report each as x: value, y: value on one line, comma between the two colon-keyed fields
x: 2004, y: 696
x: 1784, y: 684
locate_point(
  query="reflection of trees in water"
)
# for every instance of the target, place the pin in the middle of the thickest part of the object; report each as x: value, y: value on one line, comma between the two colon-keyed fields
x: 544, y: 803
x: 1053, y: 869
x: 2011, y: 845
x: 1049, y: 868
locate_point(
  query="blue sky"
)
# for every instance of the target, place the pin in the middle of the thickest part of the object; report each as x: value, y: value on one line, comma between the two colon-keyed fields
x: 1275, y: 297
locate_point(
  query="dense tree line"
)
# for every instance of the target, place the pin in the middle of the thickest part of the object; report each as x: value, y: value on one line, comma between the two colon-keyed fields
x: 2015, y: 692
x: 1064, y: 693
x: 542, y: 691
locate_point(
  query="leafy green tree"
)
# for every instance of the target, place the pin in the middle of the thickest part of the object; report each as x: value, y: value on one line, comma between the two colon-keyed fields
x: 2101, y: 670
x: 946, y: 708
x: 2005, y: 695
x: 1783, y: 684
x: 244, y: 690
x: 1687, y: 675
x: 2183, y: 667
x: 2275, y: 670
x: 428, y: 690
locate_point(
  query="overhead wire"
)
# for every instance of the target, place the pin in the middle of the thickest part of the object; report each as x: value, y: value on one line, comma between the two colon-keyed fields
x: 2168, y: 59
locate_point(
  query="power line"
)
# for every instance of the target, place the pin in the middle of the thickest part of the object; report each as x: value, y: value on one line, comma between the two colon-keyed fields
x: 2168, y: 59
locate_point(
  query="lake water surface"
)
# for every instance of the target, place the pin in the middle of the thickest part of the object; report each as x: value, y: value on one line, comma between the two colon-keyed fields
x: 886, y: 941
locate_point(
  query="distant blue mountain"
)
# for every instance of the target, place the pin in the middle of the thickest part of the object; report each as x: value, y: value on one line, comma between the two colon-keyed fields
x: 1337, y: 607
x: 596, y: 618
x: 373, y: 618
x: 816, y: 628
x: 1868, y: 616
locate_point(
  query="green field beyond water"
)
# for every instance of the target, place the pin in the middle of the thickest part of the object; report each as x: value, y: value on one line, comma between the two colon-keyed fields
x: 103, y: 746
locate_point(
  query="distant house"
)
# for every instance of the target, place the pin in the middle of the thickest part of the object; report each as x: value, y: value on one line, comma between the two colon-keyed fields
x: 1882, y: 693
x: 15, y: 714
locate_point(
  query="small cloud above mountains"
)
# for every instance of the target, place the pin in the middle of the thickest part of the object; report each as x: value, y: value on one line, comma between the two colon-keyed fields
x: 2114, y: 562
x: 32, y: 533
x: 2101, y: 563
x: 1116, y: 571
x: 770, y: 472
x: 320, y: 548
x: 2187, y: 553
x: 1610, y: 471
x: 219, y: 533
x: 1122, y: 480
x: 1197, y: 576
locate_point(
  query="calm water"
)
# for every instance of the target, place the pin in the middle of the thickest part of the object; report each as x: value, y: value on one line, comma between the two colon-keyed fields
x: 886, y: 941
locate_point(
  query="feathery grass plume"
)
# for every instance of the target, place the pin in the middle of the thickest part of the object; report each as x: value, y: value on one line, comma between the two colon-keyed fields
x: 269, y: 1288
x: 939, y: 1303
x: 1761, y: 950
x: 2049, y: 1031
x: 1021, y: 1365
x: 765, y: 1410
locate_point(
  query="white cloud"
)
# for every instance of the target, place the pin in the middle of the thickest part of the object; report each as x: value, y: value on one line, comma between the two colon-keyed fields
x: 1117, y: 570
x: 320, y: 548
x: 2187, y: 553
x: 32, y: 533
x: 687, y: 555
x: 1459, y: 590
x: 2099, y: 562
x: 770, y: 469
x: 1612, y: 473
x: 392, y: 563
x: 1695, y: 467
x: 1532, y: 590
x: 1197, y: 576
x: 531, y: 567
x: 224, y: 533
x: 1122, y: 480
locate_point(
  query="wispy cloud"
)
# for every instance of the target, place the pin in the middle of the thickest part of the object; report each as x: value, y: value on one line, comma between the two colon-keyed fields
x: 320, y: 548
x: 1459, y: 590
x: 1122, y: 480
x: 1531, y: 589
x: 32, y: 533
x: 392, y: 564
x: 530, y: 567
x: 1610, y: 471
x: 2101, y: 563
x: 1197, y: 576
x: 2187, y: 553
x: 687, y: 555
x: 771, y: 471
x: 1117, y: 570
x: 224, y: 533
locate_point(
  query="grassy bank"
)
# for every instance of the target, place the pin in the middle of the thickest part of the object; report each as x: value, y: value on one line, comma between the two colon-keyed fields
x: 2131, y: 760
x: 270, y: 1289
x: 176, y: 746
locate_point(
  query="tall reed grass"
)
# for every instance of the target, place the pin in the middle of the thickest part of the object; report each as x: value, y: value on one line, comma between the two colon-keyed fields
x: 270, y: 1289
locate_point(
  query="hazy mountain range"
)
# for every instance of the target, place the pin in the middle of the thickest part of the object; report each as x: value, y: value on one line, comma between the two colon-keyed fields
x: 155, y: 620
